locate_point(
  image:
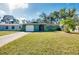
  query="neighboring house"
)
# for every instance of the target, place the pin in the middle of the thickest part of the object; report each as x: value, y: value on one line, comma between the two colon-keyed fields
x: 30, y: 27
x: 10, y: 27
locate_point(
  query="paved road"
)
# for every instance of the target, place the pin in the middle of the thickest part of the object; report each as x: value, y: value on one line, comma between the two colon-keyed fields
x: 8, y: 38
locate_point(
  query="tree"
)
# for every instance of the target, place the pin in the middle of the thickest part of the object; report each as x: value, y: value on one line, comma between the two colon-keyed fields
x: 24, y: 21
x: 68, y: 19
x: 8, y: 19
x: 43, y: 17
x: 69, y: 24
x: 76, y: 19
x: 71, y: 12
x: 50, y: 19
x: 55, y: 16
x: 62, y: 13
x: 38, y: 20
x: 16, y: 21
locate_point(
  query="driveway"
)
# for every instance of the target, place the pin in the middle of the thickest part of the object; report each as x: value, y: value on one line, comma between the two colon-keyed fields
x: 11, y: 37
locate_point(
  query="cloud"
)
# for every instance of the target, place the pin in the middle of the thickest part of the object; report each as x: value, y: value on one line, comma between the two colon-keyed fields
x: 38, y: 13
x: 14, y: 4
x: 2, y: 13
x: 4, y: 7
x: 17, y: 5
x: 15, y: 9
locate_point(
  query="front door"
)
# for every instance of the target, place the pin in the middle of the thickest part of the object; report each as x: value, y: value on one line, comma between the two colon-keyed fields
x: 41, y: 28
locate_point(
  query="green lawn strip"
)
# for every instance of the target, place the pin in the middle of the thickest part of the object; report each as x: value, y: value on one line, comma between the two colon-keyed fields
x: 43, y: 43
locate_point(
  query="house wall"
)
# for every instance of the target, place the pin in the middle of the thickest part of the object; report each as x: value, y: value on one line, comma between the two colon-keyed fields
x: 2, y: 27
x: 16, y: 27
x: 36, y: 28
x: 51, y: 27
x: 47, y: 27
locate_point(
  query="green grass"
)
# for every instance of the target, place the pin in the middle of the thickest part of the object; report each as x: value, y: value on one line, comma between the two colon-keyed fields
x: 6, y: 32
x: 45, y: 43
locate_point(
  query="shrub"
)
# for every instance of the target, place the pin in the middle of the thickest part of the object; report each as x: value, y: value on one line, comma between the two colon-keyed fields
x: 68, y: 24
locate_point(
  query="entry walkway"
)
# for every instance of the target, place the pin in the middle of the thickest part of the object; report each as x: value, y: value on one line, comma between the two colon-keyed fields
x: 8, y: 38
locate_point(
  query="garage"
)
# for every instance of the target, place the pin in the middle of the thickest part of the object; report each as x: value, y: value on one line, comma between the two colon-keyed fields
x: 30, y: 28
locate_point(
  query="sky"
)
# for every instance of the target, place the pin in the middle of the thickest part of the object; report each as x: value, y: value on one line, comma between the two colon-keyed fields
x: 31, y: 11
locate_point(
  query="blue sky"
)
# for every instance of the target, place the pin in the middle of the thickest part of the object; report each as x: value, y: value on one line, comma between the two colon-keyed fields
x: 33, y: 10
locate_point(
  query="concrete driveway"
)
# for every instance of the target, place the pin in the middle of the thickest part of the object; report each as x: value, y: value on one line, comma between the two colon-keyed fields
x: 11, y: 37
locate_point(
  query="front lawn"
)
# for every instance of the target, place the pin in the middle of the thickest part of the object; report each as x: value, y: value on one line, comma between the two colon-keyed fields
x: 6, y: 32
x: 44, y: 43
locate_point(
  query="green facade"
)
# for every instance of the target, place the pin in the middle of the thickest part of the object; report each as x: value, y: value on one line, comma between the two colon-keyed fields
x: 36, y: 28
x: 46, y: 28
x: 51, y: 27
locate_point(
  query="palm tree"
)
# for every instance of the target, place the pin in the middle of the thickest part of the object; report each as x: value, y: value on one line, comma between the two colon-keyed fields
x: 76, y: 19
x: 71, y: 12
x: 62, y: 13
x: 68, y: 24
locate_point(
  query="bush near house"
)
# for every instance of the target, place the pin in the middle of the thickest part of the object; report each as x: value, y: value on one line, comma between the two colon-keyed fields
x: 53, y: 28
x: 68, y: 24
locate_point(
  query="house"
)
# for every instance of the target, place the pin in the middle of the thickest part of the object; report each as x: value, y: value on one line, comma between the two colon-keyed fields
x: 10, y: 27
x: 40, y: 27
x: 30, y: 27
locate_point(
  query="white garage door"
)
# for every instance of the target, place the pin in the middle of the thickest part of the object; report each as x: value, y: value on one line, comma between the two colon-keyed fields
x: 29, y: 28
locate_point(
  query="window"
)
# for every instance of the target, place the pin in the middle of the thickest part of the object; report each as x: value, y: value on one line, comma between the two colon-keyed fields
x: 13, y: 27
x: 6, y: 27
